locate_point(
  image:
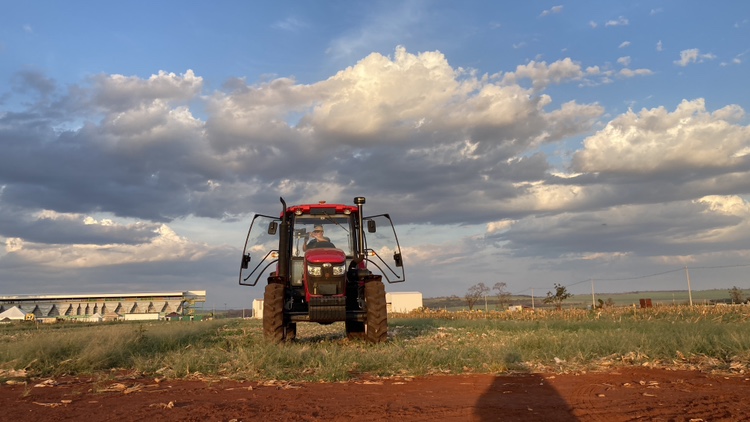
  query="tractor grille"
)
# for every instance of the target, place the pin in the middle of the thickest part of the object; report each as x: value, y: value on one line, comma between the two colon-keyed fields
x: 327, y: 309
x: 327, y: 284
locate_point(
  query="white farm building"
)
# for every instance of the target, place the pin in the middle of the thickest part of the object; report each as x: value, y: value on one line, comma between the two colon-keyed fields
x: 106, y: 306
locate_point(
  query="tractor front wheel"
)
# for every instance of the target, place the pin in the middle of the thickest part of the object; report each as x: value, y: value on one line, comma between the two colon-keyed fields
x: 273, y: 313
x: 376, y: 326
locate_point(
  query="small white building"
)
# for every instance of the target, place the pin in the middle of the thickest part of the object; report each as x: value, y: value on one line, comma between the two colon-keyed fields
x: 97, y: 317
x: 141, y: 317
x: 258, y: 308
x: 403, y: 302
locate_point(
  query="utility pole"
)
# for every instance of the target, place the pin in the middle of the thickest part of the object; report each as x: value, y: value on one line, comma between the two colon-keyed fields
x: 593, y: 298
x: 690, y: 292
x: 532, y: 298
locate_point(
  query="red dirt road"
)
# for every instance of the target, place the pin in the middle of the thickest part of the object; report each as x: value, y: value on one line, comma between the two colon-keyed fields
x: 623, y: 394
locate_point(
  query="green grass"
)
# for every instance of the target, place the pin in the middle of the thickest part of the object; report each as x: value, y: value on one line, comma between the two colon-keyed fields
x: 421, y: 343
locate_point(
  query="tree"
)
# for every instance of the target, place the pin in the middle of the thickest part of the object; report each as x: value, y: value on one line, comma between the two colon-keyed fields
x: 503, y: 296
x: 561, y: 293
x: 736, y: 294
x: 475, y: 293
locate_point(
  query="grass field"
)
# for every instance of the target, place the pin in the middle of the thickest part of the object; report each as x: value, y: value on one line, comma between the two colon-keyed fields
x: 421, y: 343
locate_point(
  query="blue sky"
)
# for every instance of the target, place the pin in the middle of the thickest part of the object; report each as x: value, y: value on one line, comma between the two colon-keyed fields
x: 531, y: 143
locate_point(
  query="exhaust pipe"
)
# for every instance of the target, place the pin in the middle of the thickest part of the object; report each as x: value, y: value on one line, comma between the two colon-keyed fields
x: 359, y: 201
x: 284, y: 246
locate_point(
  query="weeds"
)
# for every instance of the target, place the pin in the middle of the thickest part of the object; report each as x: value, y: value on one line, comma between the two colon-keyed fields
x: 421, y: 343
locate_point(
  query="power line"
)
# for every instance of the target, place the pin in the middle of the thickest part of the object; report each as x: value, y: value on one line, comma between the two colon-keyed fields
x: 641, y: 277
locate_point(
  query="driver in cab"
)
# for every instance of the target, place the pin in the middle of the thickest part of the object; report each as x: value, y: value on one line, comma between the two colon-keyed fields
x: 318, y: 239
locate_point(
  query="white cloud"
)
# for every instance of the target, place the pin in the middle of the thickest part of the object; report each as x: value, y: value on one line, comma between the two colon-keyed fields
x: 656, y: 140
x: 693, y: 55
x: 624, y: 44
x: 165, y: 246
x: 432, y: 142
x: 659, y: 46
x: 542, y: 75
x: 552, y: 10
x: 118, y: 92
x: 621, y: 21
x: 631, y: 73
x: 498, y: 226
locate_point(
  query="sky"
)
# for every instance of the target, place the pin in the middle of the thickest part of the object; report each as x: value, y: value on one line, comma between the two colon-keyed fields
x: 592, y: 144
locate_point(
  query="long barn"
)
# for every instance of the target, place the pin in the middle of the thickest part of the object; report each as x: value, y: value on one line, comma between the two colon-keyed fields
x: 120, y: 304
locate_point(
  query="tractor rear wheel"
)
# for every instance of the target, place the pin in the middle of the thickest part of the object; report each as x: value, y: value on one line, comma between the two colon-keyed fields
x: 376, y: 326
x: 273, y: 313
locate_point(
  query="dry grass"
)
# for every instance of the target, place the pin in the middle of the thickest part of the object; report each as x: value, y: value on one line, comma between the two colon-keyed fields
x: 420, y: 343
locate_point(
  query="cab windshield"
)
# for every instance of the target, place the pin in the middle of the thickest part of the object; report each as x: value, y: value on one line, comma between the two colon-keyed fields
x: 322, y: 231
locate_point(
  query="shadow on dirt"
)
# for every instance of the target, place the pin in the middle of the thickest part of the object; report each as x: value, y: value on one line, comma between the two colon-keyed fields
x: 522, y: 397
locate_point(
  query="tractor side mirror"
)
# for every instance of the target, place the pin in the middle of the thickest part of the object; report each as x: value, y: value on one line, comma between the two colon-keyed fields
x: 371, y: 226
x: 398, y: 259
x: 272, y: 228
x: 245, y: 261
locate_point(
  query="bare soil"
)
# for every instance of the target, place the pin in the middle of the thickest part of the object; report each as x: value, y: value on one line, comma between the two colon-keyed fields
x: 622, y: 394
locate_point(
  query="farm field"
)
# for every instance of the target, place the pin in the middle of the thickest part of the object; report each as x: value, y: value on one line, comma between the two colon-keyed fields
x: 658, y: 298
x: 675, y: 363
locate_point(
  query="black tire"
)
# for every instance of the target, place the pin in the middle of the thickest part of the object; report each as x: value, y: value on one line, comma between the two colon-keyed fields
x: 376, y: 326
x: 273, y: 313
x: 355, y: 330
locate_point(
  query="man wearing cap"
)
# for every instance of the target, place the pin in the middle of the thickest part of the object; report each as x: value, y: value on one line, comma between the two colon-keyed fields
x: 318, y: 240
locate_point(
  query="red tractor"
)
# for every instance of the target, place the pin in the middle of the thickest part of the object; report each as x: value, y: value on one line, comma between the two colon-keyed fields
x: 323, y: 255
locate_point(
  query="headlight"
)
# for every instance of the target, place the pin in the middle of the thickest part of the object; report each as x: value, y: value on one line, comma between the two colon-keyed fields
x: 339, y: 269
x: 313, y: 271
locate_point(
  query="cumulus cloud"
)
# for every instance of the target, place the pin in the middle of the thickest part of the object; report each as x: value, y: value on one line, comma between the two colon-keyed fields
x: 686, y: 140
x: 421, y: 120
x: 163, y: 246
x: 693, y: 55
x: 542, y: 75
x: 95, y: 175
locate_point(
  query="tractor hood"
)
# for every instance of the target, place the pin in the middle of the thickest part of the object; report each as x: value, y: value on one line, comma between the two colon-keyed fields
x: 323, y: 255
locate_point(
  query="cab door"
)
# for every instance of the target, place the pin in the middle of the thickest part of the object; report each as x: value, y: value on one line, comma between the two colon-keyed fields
x: 261, y: 249
x: 382, y: 248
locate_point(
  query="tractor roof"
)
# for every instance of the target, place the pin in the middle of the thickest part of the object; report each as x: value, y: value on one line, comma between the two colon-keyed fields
x: 322, y: 208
